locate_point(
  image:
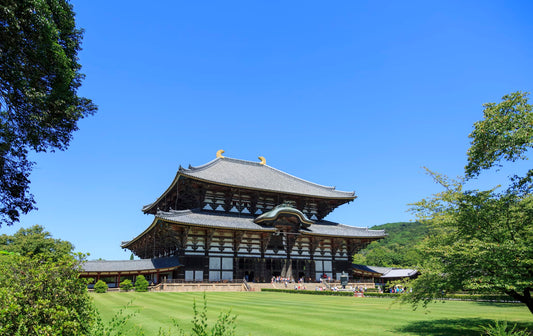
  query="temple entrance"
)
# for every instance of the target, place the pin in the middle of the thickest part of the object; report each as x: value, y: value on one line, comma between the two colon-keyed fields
x: 249, y: 276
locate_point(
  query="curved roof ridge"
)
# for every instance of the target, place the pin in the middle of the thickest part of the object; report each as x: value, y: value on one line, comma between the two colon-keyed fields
x: 309, y: 182
x: 174, y: 212
x: 258, y: 164
x: 200, y: 167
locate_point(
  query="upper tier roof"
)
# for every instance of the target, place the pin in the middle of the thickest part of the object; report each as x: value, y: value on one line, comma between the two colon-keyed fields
x: 255, y: 175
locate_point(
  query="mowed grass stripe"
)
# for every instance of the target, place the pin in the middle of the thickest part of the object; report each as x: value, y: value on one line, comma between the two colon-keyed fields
x: 296, y: 314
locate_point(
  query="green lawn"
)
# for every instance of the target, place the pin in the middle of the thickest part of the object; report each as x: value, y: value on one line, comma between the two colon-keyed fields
x: 297, y: 314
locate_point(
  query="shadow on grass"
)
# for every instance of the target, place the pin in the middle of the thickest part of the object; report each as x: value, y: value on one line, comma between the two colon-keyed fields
x: 453, y: 327
x: 500, y: 304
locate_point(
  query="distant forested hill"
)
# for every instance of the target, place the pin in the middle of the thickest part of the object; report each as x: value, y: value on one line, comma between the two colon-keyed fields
x: 398, y: 248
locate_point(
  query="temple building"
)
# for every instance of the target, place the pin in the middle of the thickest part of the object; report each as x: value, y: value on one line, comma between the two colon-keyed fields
x: 232, y: 219
x: 382, y: 275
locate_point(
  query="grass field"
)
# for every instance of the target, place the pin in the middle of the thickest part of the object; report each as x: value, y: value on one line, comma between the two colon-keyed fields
x: 294, y: 314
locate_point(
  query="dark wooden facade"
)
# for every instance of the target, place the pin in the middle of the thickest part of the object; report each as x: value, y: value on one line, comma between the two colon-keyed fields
x: 225, y: 231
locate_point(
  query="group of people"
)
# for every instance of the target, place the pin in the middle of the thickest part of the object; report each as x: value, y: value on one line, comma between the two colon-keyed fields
x: 394, y: 290
x: 278, y: 279
x: 399, y: 290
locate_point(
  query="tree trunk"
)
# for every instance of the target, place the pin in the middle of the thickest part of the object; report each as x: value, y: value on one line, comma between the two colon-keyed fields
x: 525, y: 299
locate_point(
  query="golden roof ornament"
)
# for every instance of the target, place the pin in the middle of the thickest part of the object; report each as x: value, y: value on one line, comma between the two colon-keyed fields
x: 263, y: 160
x: 219, y: 154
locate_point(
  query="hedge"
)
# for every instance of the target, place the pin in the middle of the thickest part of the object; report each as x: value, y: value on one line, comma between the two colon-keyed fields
x: 458, y: 297
x: 304, y: 291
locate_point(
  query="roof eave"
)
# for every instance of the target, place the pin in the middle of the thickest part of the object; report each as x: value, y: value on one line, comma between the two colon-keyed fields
x: 347, y: 198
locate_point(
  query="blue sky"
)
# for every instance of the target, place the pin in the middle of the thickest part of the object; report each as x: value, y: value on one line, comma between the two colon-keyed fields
x: 356, y: 94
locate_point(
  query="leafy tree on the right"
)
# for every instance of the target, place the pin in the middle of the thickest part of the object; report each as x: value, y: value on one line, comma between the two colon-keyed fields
x: 482, y: 240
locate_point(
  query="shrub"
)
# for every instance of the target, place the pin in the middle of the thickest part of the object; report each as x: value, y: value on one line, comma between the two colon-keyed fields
x: 126, y: 285
x: 41, y: 296
x: 502, y: 329
x: 100, y: 287
x: 141, y: 284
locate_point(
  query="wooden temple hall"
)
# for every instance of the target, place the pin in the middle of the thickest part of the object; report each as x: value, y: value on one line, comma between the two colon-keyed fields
x: 232, y: 219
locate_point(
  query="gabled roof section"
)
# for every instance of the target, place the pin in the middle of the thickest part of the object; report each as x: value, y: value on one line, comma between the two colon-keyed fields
x: 280, y: 210
x: 255, y: 176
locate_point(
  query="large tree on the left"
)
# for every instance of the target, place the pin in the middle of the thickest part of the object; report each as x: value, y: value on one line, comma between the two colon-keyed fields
x: 39, y: 104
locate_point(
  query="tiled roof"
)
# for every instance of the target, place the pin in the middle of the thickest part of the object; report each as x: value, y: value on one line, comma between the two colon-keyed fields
x: 328, y: 228
x: 387, y: 272
x: 245, y: 222
x: 399, y: 273
x: 255, y: 175
x: 372, y: 269
x: 211, y: 219
x: 130, y: 265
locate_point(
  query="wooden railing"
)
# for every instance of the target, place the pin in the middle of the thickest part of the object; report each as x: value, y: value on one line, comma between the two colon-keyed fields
x: 246, y: 285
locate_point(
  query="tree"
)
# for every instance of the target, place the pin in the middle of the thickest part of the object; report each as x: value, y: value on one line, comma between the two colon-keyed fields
x: 33, y: 241
x: 398, y: 249
x: 482, y: 240
x: 39, y: 296
x: 505, y: 133
x: 39, y: 105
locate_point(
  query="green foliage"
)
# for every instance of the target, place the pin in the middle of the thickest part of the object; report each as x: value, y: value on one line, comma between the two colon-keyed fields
x: 369, y: 293
x: 501, y: 328
x: 141, y: 284
x: 39, y: 105
x: 482, y: 241
x: 100, y: 287
x: 35, y: 241
x: 398, y: 249
x: 505, y: 133
x: 126, y: 285
x: 40, y: 296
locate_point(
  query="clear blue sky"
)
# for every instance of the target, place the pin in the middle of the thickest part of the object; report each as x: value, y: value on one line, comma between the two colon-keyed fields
x: 356, y: 94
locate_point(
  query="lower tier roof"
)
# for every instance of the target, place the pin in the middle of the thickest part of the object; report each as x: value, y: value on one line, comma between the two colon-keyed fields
x: 216, y: 220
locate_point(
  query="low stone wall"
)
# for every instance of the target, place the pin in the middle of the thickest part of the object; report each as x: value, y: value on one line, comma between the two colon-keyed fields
x: 200, y: 287
x: 239, y: 287
x: 309, y: 285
